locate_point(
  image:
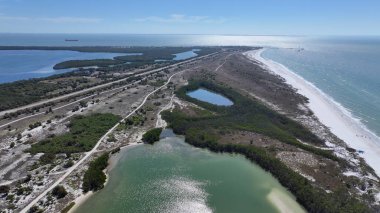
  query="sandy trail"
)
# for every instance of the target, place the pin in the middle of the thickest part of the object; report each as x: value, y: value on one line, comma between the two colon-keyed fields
x: 88, y: 154
x: 160, y: 122
x: 225, y: 60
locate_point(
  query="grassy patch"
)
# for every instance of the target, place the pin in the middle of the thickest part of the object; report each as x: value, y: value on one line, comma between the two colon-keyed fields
x: 84, y: 132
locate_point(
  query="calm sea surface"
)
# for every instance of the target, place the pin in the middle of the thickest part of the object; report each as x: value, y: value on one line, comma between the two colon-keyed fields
x: 347, y: 70
x: 24, y: 64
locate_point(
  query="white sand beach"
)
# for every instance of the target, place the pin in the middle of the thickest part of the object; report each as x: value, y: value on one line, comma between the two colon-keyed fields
x: 341, y: 122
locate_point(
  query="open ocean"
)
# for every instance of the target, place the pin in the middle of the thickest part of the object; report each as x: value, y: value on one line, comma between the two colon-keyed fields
x: 347, y: 69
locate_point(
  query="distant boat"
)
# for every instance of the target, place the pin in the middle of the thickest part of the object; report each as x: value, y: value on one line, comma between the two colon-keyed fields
x: 71, y: 40
x: 300, y: 49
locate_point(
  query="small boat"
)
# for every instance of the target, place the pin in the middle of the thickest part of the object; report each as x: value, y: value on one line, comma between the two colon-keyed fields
x: 71, y: 40
x: 300, y: 49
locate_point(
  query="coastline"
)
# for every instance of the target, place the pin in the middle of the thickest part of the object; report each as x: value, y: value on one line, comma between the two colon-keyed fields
x: 332, y: 114
x: 283, y: 202
x: 115, y: 158
x: 78, y: 201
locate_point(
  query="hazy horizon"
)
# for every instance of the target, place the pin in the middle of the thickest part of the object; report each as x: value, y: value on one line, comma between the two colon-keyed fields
x: 273, y: 17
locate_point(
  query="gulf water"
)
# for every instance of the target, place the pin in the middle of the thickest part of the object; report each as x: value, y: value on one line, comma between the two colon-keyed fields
x: 347, y: 70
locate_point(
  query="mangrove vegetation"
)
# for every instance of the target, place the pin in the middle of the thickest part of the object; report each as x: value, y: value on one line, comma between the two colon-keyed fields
x: 250, y: 115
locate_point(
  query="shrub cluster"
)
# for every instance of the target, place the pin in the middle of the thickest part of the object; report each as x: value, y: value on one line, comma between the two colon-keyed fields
x: 152, y: 135
x: 94, y: 178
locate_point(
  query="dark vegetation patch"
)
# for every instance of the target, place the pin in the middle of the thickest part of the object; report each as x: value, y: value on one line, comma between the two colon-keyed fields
x: 246, y: 115
x: 94, y: 178
x: 87, y: 63
x: 24, y: 92
x: 152, y: 135
x: 250, y: 115
x: 59, y: 192
x: 47, y: 158
x: 149, y: 56
x: 20, y: 93
x: 68, y: 207
x: 84, y: 132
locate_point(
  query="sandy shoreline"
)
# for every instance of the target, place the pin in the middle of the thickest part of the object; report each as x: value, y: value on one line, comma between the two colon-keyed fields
x: 330, y: 113
x: 115, y: 158
x: 112, y: 162
x: 283, y: 202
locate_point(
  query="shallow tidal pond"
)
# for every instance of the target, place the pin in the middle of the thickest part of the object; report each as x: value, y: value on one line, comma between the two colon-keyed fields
x: 173, y: 176
x: 210, y: 97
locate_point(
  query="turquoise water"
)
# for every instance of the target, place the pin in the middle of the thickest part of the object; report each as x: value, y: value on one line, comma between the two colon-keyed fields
x: 346, y: 70
x: 25, y: 64
x: 210, y: 97
x: 172, y: 176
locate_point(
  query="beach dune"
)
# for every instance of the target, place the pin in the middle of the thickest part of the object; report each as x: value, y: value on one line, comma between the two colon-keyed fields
x: 340, y: 121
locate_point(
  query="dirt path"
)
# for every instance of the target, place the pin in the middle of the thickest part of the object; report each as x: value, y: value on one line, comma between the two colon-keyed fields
x: 225, y: 60
x: 88, y: 154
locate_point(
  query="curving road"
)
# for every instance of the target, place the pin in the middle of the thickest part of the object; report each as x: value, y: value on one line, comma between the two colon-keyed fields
x: 88, y: 154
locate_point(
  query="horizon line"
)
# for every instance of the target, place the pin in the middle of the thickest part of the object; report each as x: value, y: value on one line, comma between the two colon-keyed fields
x: 199, y: 34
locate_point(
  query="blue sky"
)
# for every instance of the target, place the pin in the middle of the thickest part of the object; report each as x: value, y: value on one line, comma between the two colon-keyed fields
x: 255, y: 17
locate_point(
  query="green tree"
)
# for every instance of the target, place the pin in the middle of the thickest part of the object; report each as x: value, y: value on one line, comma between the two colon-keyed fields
x: 59, y: 192
x: 152, y: 135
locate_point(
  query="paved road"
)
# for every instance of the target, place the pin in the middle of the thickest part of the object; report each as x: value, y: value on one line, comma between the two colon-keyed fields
x: 88, y: 154
x: 100, y: 86
x: 84, y: 91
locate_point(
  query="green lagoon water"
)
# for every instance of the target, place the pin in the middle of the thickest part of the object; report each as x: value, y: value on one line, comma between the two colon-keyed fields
x: 172, y: 176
